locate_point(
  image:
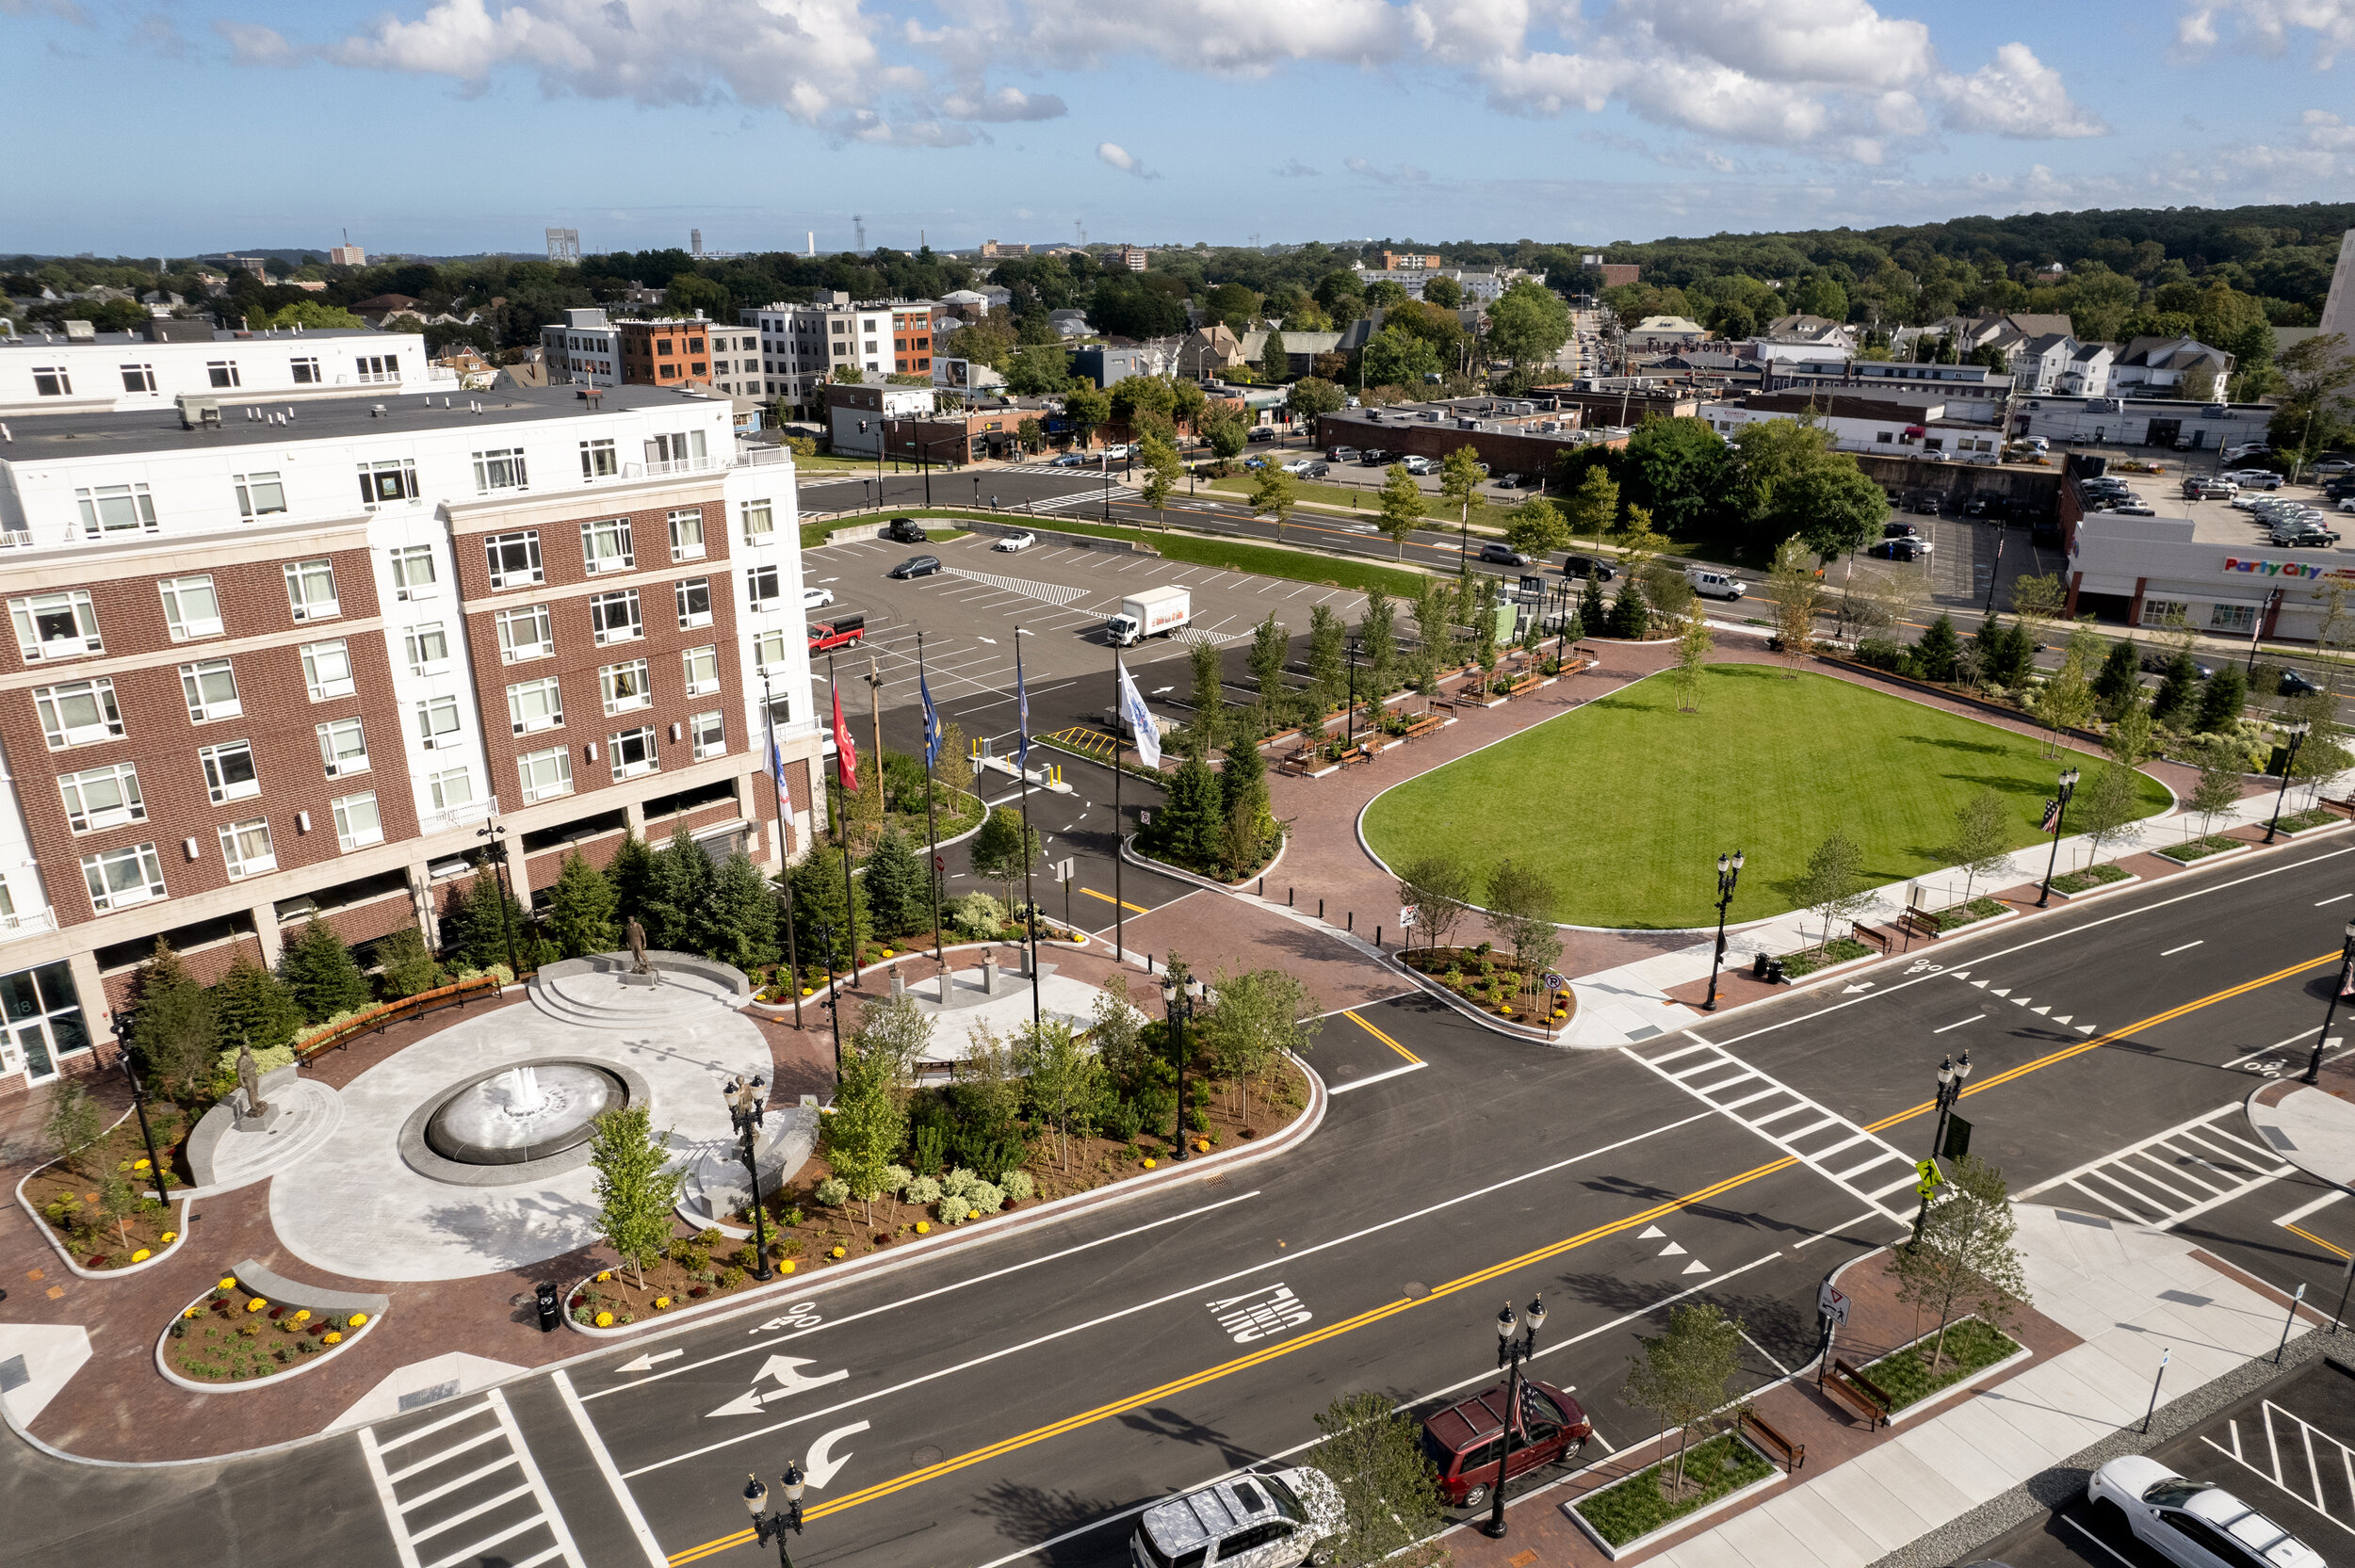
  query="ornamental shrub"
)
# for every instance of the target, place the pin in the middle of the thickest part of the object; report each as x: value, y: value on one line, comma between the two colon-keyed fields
x: 953, y: 1210
x: 921, y: 1190
x: 834, y: 1192
x: 897, y: 1176
x: 976, y: 914
x: 987, y: 1196
x: 958, y: 1182
x: 1020, y: 1187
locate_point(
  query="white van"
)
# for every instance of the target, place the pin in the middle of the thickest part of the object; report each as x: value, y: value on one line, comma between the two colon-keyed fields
x: 1714, y: 585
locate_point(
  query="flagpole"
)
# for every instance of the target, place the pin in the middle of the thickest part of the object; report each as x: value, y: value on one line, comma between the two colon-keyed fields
x: 931, y: 818
x: 850, y: 897
x: 1120, y: 909
x: 1022, y: 771
x: 784, y: 849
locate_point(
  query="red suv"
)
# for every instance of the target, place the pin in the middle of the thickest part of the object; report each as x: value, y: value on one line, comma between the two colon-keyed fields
x: 1463, y: 1441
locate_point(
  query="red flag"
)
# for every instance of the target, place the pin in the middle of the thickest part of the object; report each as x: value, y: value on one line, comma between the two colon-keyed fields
x: 845, y: 754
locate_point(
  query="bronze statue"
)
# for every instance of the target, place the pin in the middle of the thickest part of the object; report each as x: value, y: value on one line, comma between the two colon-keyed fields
x: 250, y: 1079
x: 640, y: 964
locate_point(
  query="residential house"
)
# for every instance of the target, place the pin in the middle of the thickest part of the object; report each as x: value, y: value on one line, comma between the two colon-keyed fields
x: 1666, y: 332
x: 1300, y: 349
x: 1069, y: 324
x: 2169, y: 367
x: 1814, y: 331
x: 1207, y: 350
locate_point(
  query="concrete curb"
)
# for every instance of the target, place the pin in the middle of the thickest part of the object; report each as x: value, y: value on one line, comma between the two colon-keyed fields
x: 183, y: 1197
x: 293, y: 1370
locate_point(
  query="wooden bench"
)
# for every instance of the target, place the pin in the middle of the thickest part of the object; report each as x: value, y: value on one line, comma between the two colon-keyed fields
x: 1921, y: 923
x: 1526, y: 684
x: 1354, y: 756
x: 1301, y: 761
x: 1429, y: 723
x: 1849, y: 1384
x: 1791, y: 1454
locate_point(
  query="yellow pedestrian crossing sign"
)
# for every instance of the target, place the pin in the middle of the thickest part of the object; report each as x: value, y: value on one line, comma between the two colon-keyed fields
x: 1926, y: 1178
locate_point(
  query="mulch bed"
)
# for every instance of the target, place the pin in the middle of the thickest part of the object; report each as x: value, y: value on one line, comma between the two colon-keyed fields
x: 227, y: 1338
x: 1489, y: 981
x: 68, y: 1203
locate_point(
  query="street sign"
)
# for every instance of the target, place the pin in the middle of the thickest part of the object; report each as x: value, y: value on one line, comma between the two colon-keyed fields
x: 1065, y: 870
x: 1832, y: 1304
x: 1927, y: 1178
x: 1957, y: 1139
x: 940, y: 862
x: 1406, y: 917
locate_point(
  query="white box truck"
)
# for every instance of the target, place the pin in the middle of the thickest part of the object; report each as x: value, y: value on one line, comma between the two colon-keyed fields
x: 1154, y: 612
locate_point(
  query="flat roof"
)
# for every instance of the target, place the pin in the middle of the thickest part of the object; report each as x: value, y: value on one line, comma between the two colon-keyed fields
x: 1881, y: 408
x: 49, y: 436
x: 32, y: 342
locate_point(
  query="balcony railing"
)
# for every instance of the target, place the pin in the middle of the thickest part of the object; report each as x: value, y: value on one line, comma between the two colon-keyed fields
x: 33, y: 924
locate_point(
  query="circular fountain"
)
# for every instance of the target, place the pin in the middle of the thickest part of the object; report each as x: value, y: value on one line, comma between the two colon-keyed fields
x: 517, y: 1123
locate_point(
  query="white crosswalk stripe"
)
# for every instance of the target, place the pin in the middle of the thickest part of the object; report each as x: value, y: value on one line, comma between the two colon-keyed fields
x: 1054, y: 594
x: 2175, y: 1175
x: 1833, y: 1147
x: 1080, y: 498
x: 468, y: 1472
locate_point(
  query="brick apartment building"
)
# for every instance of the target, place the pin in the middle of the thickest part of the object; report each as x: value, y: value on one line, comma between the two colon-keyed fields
x: 263, y: 669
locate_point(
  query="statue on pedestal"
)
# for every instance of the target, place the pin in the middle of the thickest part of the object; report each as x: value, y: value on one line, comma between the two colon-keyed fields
x: 250, y: 1079
x: 640, y: 964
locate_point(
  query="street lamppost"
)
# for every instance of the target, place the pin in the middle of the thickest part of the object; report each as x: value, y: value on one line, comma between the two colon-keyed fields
x: 1180, y: 993
x: 1728, y: 873
x: 1511, y: 1348
x: 1952, y: 1076
x: 769, y: 1526
x: 2347, y: 968
x: 746, y: 1104
x: 2297, y: 737
x: 1350, y: 724
x: 834, y: 997
x: 497, y: 834
x: 2060, y: 808
x: 138, y: 1103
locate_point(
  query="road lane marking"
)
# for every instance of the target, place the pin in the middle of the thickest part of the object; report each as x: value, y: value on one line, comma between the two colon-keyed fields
x: 1368, y: 1083
x: 2319, y: 902
x: 2300, y: 1230
x: 620, y: 1490
x: 1351, y: 1016
x: 1973, y: 1019
x: 2268, y: 1050
x: 2184, y: 948
x: 1124, y: 903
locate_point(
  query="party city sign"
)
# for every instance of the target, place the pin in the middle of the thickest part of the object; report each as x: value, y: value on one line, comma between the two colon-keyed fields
x: 2287, y: 569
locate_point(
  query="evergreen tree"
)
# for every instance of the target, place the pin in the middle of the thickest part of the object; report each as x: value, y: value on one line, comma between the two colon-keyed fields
x: 2120, y: 673
x: 2220, y: 704
x: 744, y: 920
x: 1378, y: 636
x: 2179, y: 694
x: 1986, y: 645
x: 477, y: 929
x: 1593, y: 614
x: 407, y: 964
x: 454, y: 921
x: 1274, y: 364
x: 1208, y: 728
x: 1270, y: 648
x: 1935, y: 653
x: 820, y: 899
x: 678, y: 896
x: 255, y: 1008
x: 631, y: 874
x: 580, y: 910
x: 320, y: 970
x: 1186, y: 829
x: 173, y: 1033
x: 1242, y: 787
x: 1630, y: 617
x: 1328, y: 657
x: 2016, y: 661
x: 897, y: 886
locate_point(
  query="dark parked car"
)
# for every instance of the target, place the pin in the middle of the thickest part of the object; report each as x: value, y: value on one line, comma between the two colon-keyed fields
x: 1901, y: 549
x: 1373, y: 456
x: 1317, y: 469
x: 2155, y: 662
x: 1900, y: 530
x: 1588, y: 566
x: 2296, y: 684
x: 906, y: 530
x: 1503, y: 555
x: 1339, y: 454
x: 1262, y: 432
x: 917, y: 566
x: 1927, y: 506
x: 1463, y: 1441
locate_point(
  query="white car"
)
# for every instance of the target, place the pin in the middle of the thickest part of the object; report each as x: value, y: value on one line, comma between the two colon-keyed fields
x: 1259, y: 1520
x: 1118, y: 452
x: 1298, y: 465
x: 2348, y: 504
x: 813, y: 598
x: 2195, y: 1524
x: 1015, y: 542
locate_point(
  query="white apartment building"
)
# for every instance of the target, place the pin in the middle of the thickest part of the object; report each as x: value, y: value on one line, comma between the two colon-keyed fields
x: 80, y: 370
x: 585, y: 350
x: 802, y: 345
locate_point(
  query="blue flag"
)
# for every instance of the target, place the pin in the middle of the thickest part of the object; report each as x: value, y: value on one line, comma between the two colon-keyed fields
x: 1022, y: 712
x: 931, y: 724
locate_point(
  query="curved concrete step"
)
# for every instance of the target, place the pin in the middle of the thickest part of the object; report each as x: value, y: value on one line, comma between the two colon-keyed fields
x: 602, y: 1004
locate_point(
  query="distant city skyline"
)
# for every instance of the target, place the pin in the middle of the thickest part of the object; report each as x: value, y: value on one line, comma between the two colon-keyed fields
x: 443, y: 127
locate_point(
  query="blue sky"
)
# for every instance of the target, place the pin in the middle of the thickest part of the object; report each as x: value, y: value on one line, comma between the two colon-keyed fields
x: 441, y: 126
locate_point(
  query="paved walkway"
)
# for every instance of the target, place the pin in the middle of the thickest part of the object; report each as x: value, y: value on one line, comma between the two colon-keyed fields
x: 2310, y: 1126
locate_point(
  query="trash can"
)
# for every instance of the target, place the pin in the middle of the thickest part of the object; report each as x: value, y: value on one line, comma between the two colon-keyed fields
x: 1758, y: 966
x: 551, y: 1313
x: 1774, y: 972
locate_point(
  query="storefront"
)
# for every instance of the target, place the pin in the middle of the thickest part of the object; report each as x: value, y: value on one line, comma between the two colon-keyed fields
x: 44, y: 1028
x: 2209, y: 575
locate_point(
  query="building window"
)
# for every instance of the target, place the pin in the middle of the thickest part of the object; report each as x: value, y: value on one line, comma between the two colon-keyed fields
x: 703, y: 670
x: 693, y: 595
x: 116, y: 509
x: 780, y: 712
x: 211, y: 688
x: 259, y: 495
x: 229, y: 773
x: 625, y: 687
x: 306, y: 372
x: 119, y: 878
x: 52, y: 382
x: 499, y: 469
x: 343, y: 747
x: 222, y: 373
x: 683, y: 447
x: 191, y: 607
x: 245, y: 848
x: 526, y: 634
x: 769, y: 652
x: 139, y: 378
x: 534, y: 705
x: 413, y: 572
x: 80, y: 713
x: 605, y: 546
x: 427, y: 646
x: 437, y: 721
x: 326, y: 669
x: 613, y: 617
x: 759, y: 523
x: 2231, y: 618
x: 597, y: 460
x: 311, y: 590
x: 103, y: 798
x: 634, y: 753
x: 394, y: 479
x: 546, y: 774
x: 2165, y: 612
x: 687, y: 535
x: 514, y: 558
x: 761, y: 586
x: 709, y: 731
x: 358, y: 824
x: 450, y: 788
x: 55, y: 625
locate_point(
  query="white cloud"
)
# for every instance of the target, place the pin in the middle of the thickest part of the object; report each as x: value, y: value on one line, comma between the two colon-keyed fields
x: 254, y: 45
x: 1004, y: 107
x: 1119, y: 157
x: 2270, y: 26
x: 1403, y: 174
x: 2015, y: 95
x: 1229, y: 37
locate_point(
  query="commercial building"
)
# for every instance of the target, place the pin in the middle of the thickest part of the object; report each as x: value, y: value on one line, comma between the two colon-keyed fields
x: 2205, y: 566
x: 346, y: 254
x: 1133, y: 257
x: 244, y: 695
x: 2338, y: 306
x: 83, y: 371
x: 584, y: 349
x: 1528, y: 435
x: 1881, y: 425
x: 2173, y: 423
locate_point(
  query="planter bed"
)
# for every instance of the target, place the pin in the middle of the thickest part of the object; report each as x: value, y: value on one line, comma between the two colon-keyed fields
x: 2201, y: 848
x: 1970, y: 913
x: 1813, y: 961
x: 57, y: 1197
x: 1631, y: 1512
x: 234, y: 1337
x: 2308, y: 820
x: 2093, y: 880
x: 1973, y: 1347
x: 1434, y: 963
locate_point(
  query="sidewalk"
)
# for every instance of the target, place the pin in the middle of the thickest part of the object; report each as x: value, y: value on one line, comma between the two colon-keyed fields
x: 2310, y: 1126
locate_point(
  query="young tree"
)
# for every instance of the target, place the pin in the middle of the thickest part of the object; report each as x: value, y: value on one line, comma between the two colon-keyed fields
x: 2036, y: 601
x: 1595, y: 504
x: 1833, y: 886
x: 1934, y: 655
x: 955, y: 768
x: 898, y: 890
x: 74, y: 1126
x: 1439, y: 888
x: 743, y: 926
x: 1002, y: 849
x: 636, y: 1186
x: 2221, y: 703
x: 2066, y: 700
x: 252, y: 1006
x: 2121, y: 676
x: 1520, y: 910
x: 1328, y: 657
x: 1402, y: 507
x: 1682, y: 1377
x: 1630, y: 618
x: 2128, y: 738
x: 1377, y: 639
x: 1064, y: 1083
x: 1483, y: 617
x: 1982, y: 843
x: 1274, y: 494
x: 174, y: 1035
x: 1460, y: 479
x: 869, y: 1119
x: 2219, y: 790
x: 1374, y: 1457
x: 2178, y: 700
x: 1535, y: 527
x: 1694, y: 642
x: 1260, y: 1015
x: 1271, y: 648
x: 319, y: 971
x: 2103, y: 806
x: 581, y: 909
x: 1162, y: 467
x: 1964, y: 1260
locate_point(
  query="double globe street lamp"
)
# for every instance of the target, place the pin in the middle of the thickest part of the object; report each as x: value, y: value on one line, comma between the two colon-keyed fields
x: 2297, y: 733
x: 1728, y: 873
x: 1952, y: 1076
x: 747, y: 1103
x: 2342, y: 986
x: 769, y: 1526
x: 1179, y: 994
x: 2060, y: 809
x: 1512, y: 1348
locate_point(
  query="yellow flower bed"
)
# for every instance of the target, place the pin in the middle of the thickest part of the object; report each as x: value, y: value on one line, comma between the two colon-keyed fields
x: 604, y: 1319
x: 256, y: 1304
x: 331, y: 1338
x: 140, y: 1256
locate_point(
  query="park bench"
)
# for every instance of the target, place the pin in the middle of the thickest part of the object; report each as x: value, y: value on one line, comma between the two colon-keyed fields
x: 1423, y: 726
x: 454, y: 995
x: 1791, y: 1454
x: 1919, y: 922
x: 1853, y: 1388
x: 1301, y: 761
x: 1526, y: 684
x: 1356, y: 755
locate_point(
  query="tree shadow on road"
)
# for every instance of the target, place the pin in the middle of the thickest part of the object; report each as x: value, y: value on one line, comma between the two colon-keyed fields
x: 1025, y: 1514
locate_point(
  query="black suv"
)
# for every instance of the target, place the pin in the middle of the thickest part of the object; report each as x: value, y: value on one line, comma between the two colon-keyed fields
x: 905, y: 530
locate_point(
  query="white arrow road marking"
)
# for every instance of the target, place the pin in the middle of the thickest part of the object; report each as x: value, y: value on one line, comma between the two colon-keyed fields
x: 2006, y: 992
x: 2062, y: 1019
x: 1978, y: 985
x: 821, y: 1466
x: 746, y: 1403
x: 1958, y: 974
x: 2021, y: 1001
x: 1697, y: 1267
x: 791, y: 1379
x: 1850, y: 991
x: 1650, y: 1233
x: 2046, y: 1008
x: 1671, y: 1250
x: 2085, y: 1029
x: 646, y: 1363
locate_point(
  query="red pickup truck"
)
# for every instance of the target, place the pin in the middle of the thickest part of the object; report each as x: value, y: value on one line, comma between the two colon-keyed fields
x: 839, y: 633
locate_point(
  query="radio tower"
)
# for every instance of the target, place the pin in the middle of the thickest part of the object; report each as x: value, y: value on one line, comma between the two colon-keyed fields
x: 860, y: 223
x: 1079, y: 226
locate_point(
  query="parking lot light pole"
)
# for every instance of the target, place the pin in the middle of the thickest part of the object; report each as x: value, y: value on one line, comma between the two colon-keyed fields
x: 772, y: 1526
x: 2157, y: 1378
x: 1350, y: 724
x: 2298, y: 737
x: 1511, y: 1348
x: 2060, y: 809
x: 2346, y: 974
x: 1728, y: 873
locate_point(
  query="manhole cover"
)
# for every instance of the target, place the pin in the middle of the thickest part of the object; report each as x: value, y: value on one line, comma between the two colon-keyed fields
x: 925, y: 1456
x: 1416, y: 1290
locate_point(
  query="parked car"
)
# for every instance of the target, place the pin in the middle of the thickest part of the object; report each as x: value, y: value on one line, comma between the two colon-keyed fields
x: 1421, y: 465
x: 1588, y: 566
x: 812, y: 598
x: 2296, y: 683
x: 1504, y: 554
x: 1119, y: 452
x: 1339, y: 454
x: 2332, y: 467
x: 2255, y: 478
x: 1254, y: 1521
x: 1901, y: 549
x: 1262, y: 432
x: 840, y: 632
x: 1462, y: 1441
x: 905, y: 530
x: 2196, y: 1524
x: 1317, y: 469
x: 1373, y: 456
x: 1015, y: 542
x: 2156, y: 663
x: 1927, y: 506
x: 1257, y: 461
x: 917, y: 566
x: 2348, y: 505
x: 1297, y: 465
x: 1714, y: 585
x: 1900, y: 530
x: 1066, y: 459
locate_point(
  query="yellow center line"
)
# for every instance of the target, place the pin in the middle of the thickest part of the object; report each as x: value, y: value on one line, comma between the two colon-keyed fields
x: 2299, y: 1230
x: 1351, y: 1016
x: 1256, y: 1358
x: 2099, y: 1040
x: 1110, y: 899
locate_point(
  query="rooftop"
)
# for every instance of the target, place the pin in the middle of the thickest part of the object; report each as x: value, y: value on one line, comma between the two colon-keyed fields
x: 185, y: 332
x: 1880, y: 409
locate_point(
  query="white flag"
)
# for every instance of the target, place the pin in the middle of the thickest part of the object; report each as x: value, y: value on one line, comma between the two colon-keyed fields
x: 1132, y: 709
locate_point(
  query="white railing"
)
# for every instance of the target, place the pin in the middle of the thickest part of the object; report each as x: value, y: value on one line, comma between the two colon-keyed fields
x: 15, y: 926
x: 762, y: 457
x: 673, y: 465
x: 457, y: 816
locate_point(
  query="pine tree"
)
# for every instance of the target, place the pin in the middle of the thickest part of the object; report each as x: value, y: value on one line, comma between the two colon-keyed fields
x: 320, y: 970
x: 407, y: 964
x: 1593, y: 613
x: 1210, y: 703
x: 632, y: 873
x: 897, y: 886
x: 173, y: 1033
x: 2179, y: 694
x: 678, y: 896
x: 1935, y: 653
x: 2120, y: 673
x: 1186, y: 829
x: 580, y: 910
x: 2017, y: 661
x: 1987, y: 646
x: 1270, y: 648
x: 484, y: 920
x: 1630, y: 617
x: 1243, y: 801
x: 255, y: 1008
x: 819, y: 897
x: 1378, y: 636
x: 2221, y: 703
x: 743, y: 921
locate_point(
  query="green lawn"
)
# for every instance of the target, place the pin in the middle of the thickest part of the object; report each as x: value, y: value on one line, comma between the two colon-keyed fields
x: 1626, y: 804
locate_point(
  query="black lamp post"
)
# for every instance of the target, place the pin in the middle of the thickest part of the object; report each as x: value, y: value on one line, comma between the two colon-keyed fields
x: 1728, y: 873
x: 834, y: 997
x: 138, y: 1103
x: 1180, y: 993
x: 497, y: 834
x: 2060, y: 809
x: 772, y: 1527
x: 1350, y: 724
x: 1511, y: 1348
x: 2347, y: 971
x: 1952, y: 1076
x: 746, y: 1104
x: 2297, y: 737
